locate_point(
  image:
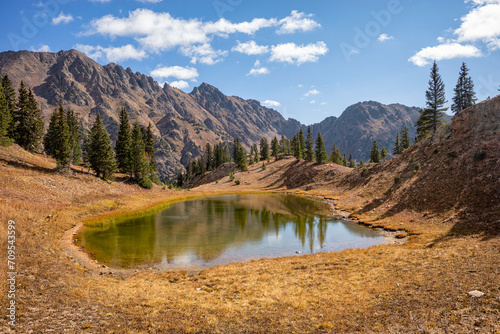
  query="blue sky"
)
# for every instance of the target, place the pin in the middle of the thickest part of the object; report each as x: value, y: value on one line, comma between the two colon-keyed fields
x: 307, y: 59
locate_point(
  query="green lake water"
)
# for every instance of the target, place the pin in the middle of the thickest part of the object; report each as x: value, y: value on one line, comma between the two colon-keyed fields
x: 218, y: 230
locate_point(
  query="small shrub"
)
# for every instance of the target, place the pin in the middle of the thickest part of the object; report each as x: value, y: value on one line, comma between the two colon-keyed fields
x: 452, y: 154
x: 397, y: 179
x: 412, y: 159
x: 237, y: 182
x: 414, y: 171
x: 145, y: 182
x: 217, y: 182
x: 263, y: 166
x: 479, y: 155
x: 231, y: 176
x: 417, y: 166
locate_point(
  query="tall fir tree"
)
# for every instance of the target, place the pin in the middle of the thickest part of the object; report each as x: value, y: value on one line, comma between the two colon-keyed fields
x: 336, y: 156
x: 320, y: 152
x: 405, y: 139
x: 464, y: 91
x: 123, y: 145
x: 431, y: 117
x: 28, y: 124
x: 302, y: 144
x: 397, y: 146
x: 5, y: 119
x: 284, y: 146
x: 149, y: 144
x: 61, y: 145
x: 209, y: 157
x: 100, y: 153
x: 352, y: 164
x: 256, y: 150
x: 139, y: 163
x: 375, y: 153
x: 10, y: 97
x: 275, y: 149
x: 74, y: 137
x: 239, y: 155
x: 264, y: 149
x: 309, y: 149
x: 344, y: 161
x: 383, y: 154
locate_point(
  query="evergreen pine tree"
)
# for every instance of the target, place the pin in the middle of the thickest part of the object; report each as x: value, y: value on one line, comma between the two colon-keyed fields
x: 336, y: 156
x: 251, y: 160
x: 28, y: 124
x: 256, y: 152
x: 123, y: 145
x: 5, y: 119
x: 405, y: 139
x: 264, y: 149
x: 10, y: 97
x: 275, y: 148
x: 321, y: 156
x: 180, y: 178
x: 397, y: 146
x: 352, y: 164
x: 309, y: 148
x: 431, y: 117
x: 344, y: 161
x: 464, y: 91
x: 74, y: 137
x: 302, y: 144
x: 375, y: 153
x: 149, y: 144
x: 284, y: 146
x: 100, y: 153
x: 383, y: 154
x: 61, y: 146
x: 209, y: 157
x: 139, y: 163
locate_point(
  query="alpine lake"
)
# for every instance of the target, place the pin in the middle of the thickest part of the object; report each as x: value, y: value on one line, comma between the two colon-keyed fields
x: 208, y: 231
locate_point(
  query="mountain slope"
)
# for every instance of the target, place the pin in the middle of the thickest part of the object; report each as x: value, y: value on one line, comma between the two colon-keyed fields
x: 183, y: 123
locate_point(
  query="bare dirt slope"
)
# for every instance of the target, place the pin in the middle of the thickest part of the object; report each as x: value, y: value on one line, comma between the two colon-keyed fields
x: 448, y: 206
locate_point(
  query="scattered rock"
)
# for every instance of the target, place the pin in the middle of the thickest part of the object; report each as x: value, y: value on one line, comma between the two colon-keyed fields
x: 476, y: 294
x: 49, y: 216
x: 298, y: 252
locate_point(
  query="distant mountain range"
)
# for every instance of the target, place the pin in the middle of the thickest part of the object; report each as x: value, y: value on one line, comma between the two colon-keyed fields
x: 183, y: 123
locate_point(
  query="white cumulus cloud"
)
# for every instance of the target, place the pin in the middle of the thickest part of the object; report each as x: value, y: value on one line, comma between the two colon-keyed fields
x: 203, y: 54
x: 250, y: 48
x: 312, y: 92
x: 482, y: 23
x: 299, y: 54
x: 444, y: 51
x: 297, y: 21
x: 258, y: 70
x: 384, y: 37
x: 181, y: 84
x: 61, y: 18
x: 42, y: 48
x: 113, y: 54
x: 271, y: 104
x: 178, y: 72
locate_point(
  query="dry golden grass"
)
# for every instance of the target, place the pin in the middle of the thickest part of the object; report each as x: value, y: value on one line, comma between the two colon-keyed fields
x: 420, y: 286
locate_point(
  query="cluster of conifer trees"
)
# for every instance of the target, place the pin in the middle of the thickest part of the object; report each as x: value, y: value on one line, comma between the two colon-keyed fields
x: 299, y: 147
x: 20, y: 119
x: 431, y: 116
x: 21, y: 122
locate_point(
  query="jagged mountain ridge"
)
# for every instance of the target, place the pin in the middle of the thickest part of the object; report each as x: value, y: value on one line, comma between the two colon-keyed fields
x: 183, y: 123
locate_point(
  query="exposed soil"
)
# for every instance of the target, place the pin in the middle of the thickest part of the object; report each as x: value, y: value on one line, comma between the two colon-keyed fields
x: 449, y: 207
